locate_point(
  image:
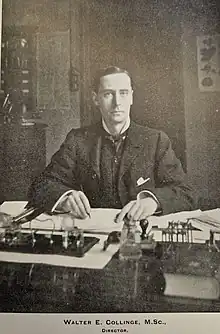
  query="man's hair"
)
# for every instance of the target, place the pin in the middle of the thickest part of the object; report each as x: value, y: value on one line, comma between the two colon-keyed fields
x: 106, y: 71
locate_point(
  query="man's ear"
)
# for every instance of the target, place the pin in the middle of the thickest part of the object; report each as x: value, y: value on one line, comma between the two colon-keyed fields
x: 95, y: 99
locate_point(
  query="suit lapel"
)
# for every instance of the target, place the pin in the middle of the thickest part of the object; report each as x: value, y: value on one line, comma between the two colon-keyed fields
x: 133, y: 146
x: 95, y: 151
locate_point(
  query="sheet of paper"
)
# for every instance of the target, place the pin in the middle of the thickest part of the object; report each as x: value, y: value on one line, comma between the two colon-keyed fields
x: 13, y: 208
x: 157, y: 222
x: 209, y: 219
x: 101, y: 221
x: 215, y: 214
x: 162, y: 221
x: 206, y: 222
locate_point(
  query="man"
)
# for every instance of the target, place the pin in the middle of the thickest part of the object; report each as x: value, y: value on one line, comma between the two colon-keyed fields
x: 115, y: 163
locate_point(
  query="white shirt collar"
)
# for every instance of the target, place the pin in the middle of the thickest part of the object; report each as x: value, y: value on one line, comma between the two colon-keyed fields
x: 125, y: 127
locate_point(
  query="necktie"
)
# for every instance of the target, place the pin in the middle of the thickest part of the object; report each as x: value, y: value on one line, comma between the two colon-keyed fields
x: 116, y: 140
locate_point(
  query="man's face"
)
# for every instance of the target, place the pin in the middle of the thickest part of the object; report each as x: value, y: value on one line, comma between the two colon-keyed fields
x: 114, y: 98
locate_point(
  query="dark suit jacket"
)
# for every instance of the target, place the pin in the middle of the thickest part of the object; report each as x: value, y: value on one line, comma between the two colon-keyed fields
x: 147, y: 154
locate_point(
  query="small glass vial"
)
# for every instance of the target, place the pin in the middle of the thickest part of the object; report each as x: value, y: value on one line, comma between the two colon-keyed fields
x: 130, y: 248
x: 67, y: 222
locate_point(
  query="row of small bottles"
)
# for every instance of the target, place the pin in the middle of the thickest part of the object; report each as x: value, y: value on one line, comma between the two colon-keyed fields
x: 14, y: 54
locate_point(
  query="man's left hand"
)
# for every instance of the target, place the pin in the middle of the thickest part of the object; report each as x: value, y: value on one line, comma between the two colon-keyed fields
x: 138, y: 209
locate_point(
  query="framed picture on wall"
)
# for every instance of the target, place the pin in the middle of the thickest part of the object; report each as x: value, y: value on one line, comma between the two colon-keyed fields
x: 208, y: 60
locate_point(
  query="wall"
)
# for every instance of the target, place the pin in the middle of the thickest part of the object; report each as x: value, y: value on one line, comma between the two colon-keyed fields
x: 202, y: 109
x: 47, y: 16
x: 157, y: 43
x: 143, y: 37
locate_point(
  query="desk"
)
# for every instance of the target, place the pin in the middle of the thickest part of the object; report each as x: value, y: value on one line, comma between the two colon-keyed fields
x: 121, y: 286
x: 43, y: 288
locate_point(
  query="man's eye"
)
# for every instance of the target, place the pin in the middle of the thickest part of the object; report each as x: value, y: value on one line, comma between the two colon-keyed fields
x: 107, y: 94
x: 124, y: 93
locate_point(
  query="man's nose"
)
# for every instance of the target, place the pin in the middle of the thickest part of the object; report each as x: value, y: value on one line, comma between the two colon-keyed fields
x: 117, y: 99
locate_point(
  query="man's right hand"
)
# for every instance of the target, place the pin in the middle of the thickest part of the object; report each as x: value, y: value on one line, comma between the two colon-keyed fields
x: 77, y: 203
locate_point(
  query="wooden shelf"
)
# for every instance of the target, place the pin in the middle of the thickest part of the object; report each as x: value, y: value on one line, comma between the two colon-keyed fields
x: 18, y: 67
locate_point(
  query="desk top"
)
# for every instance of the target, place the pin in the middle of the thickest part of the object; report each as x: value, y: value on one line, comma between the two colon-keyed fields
x: 186, y: 279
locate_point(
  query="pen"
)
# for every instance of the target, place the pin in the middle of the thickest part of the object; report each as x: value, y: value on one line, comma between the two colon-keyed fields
x: 57, y: 212
x: 69, y: 212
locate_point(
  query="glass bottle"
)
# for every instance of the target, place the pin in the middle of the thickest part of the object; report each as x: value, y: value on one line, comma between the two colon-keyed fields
x: 130, y: 248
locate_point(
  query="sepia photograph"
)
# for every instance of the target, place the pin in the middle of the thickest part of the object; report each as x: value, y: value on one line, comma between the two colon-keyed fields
x: 109, y: 162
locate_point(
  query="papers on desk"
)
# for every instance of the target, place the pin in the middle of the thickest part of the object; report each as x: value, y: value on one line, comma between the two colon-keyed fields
x: 102, y: 221
x: 160, y: 222
x: 208, y: 220
x: 13, y: 208
x: 204, y: 221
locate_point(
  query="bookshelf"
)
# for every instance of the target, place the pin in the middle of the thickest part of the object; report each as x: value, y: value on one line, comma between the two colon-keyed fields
x: 17, y: 72
x: 22, y: 139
